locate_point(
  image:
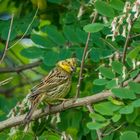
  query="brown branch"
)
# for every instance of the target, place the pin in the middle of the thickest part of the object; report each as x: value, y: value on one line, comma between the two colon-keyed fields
x: 18, y: 120
x: 20, y: 68
x: 125, y: 47
x: 83, y: 59
x: 8, y: 38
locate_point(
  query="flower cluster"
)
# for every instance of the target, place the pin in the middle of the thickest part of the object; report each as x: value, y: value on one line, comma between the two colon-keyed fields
x: 123, y: 23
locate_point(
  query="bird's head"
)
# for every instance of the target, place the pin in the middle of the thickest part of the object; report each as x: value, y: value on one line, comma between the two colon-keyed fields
x: 68, y: 65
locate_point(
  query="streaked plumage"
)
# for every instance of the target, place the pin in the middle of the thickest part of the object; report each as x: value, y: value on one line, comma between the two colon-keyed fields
x: 54, y: 86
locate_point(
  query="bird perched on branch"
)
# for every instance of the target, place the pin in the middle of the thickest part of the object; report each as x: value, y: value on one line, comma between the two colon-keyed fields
x: 53, y: 87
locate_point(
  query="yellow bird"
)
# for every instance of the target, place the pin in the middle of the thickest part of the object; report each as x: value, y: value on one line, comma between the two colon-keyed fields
x: 53, y: 87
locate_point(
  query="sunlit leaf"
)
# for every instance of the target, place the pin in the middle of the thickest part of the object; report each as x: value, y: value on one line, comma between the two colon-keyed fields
x: 129, y: 135
x: 124, y: 93
x: 94, y: 27
x: 116, y: 117
x: 104, y: 8
x: 106, y: 108
x: 127, y: 109
x: 97, y: 117
x: 32, y: 52
x: 96, y: 125
x: 117, y: 66
x: 107, y: 72
x: 50, y: 58
x: 117, y: 4
x: 100, y: 82
x: 135, y: 87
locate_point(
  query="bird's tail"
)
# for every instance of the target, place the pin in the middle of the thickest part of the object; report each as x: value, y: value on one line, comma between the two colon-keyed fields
x: 34, y: 104
x: 30, y: 113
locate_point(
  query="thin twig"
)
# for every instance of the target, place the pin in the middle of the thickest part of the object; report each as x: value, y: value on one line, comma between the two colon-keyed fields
x: 106, y: 134
x: 99, y: 134
x: 133, y: 36
x: 109, y: 44
x: 20, y: 68
x: 8, y: 38
x: 83, y: 59
x: 125, y: 46
x: 25, y: 31
x: 5, y: 81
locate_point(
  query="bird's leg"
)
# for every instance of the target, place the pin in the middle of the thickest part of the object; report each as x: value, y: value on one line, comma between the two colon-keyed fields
x: 63, y: 101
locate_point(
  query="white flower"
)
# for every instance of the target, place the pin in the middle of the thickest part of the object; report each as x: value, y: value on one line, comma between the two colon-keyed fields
x: 126, y: 7
x: 124, y: 31
x: 123, y: 72
x: 113, y: 24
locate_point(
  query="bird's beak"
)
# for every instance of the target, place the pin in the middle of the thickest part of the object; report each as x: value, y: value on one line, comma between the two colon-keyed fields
x: 73, y: 69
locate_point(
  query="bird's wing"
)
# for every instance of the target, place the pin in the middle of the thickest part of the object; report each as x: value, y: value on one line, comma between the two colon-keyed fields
x: 50, y: 82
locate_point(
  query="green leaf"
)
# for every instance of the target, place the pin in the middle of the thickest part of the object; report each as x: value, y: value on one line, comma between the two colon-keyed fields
x: 3, y: 135
x: 97, y: 117
x: 135, y: 87
x: 111, y: 84
x: 134, y: 73
x: 129, y: 62
x: 82, y: 35
x: 115, y: 101
x: 127, y: 109
x: 55, y: 36
x: 131, y: 117
x: 105, y: 53
x: 32, y: 52
x: 116, y: 117
x: 129, y: 135
x: 2, y: 113
x: 19, y: 134
x: 56, y: 1
x: 107, y: 72
x: 96, y: 125
x: 70, y: 120
x: 104, y: 9
x: 4, y: 34
x: 137, y: 121
x: 93, y: 28
x: 123, y: 93
x: 79, y: 53
x: 97, y: 88
x: 117, y: 4
x: 65, y: 53
x: 106, y: 108
x: 50, y: 58
x: 72, y: 131
x: 134, y: 54
x: 117, y: 67
x: 136, y: 27
x: 100, y: 82
x: 136, y: 103
x: 70, y: 34
x: 45, y: 42
x: 49, y: 136
x: 95, y: 54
